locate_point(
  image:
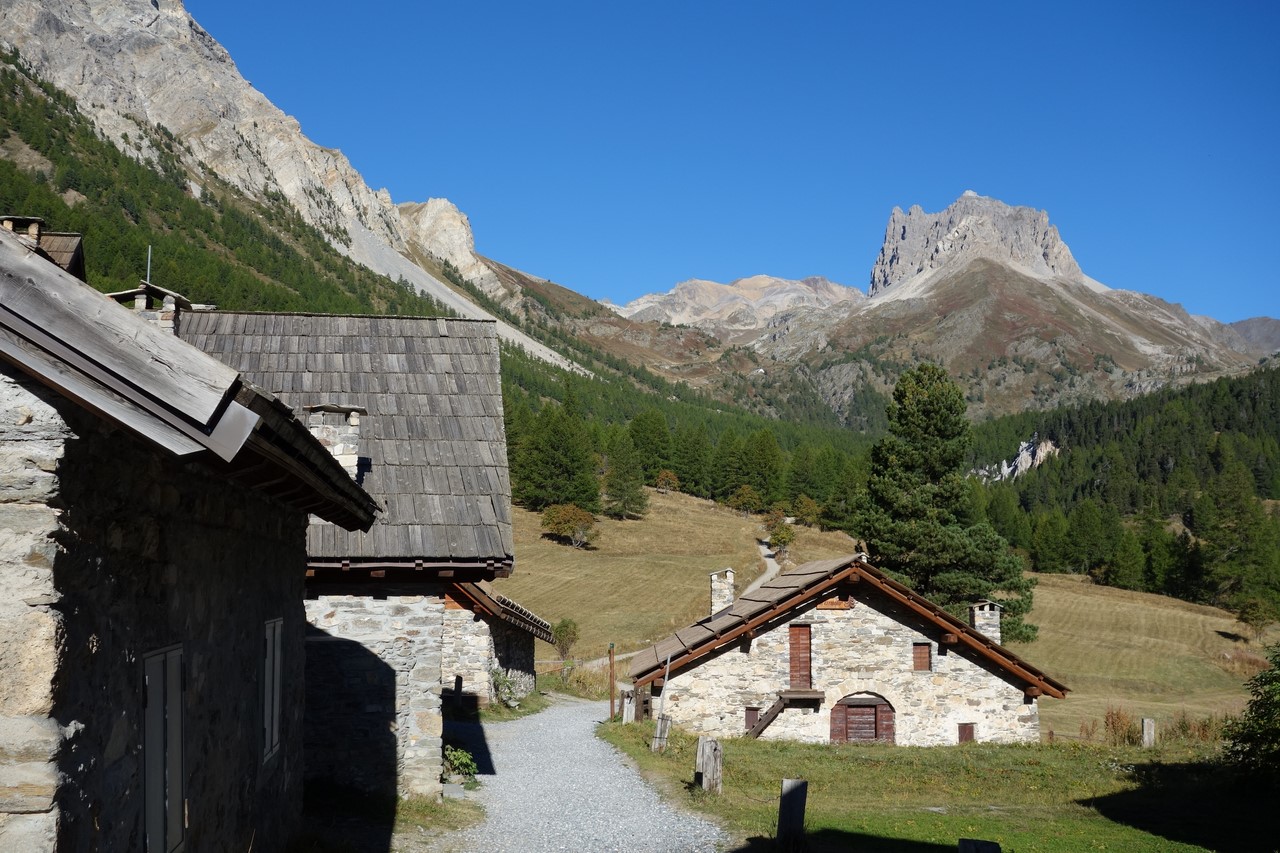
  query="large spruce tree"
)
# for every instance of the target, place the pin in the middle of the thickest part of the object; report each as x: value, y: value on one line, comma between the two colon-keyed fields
x: 624, y: 495
x: 914, y: 520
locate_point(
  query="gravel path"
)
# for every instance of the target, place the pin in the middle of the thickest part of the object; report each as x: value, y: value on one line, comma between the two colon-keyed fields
x: 554, y: 785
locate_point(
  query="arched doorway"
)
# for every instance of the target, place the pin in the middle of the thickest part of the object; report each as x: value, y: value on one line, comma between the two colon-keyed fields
x: 862, y: 718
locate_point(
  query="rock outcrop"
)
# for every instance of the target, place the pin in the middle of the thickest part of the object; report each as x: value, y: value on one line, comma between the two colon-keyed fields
x: 974, y: 226
x: 747, y: 303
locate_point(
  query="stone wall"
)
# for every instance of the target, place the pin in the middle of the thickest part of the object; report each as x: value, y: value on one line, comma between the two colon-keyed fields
x: 467, y: 654
x: 109, y: 551
x: 856, y: 648
x: 515, y: 653
x: 373, y: 688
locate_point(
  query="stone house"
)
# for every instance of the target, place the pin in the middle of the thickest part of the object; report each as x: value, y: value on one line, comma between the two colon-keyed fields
x: 835, y: 651
x: 402, y: 612
x: 153, y: 515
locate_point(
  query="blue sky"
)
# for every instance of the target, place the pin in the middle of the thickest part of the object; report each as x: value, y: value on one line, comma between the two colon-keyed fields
x: 619, y: 148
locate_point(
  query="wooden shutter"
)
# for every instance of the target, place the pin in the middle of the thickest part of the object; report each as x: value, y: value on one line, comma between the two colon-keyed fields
x: 966, y: 732
x: 861, y: 723
x: 884, y: 724
x: 175, y: 817
x: 153, y: 748
x: 271, y: 686
x: 799, y: 644
x: 752, y: 717
x: 921, y: 657
x: 839, y: 732
x: 164, y: 781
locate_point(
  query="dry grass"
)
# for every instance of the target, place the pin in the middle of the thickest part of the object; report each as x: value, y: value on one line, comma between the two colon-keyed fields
x: 641, y: 581
x: 1156, y: 656
x: 813, y: 544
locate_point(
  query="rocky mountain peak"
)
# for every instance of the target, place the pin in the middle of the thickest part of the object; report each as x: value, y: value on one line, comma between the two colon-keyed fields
x: 974, y: 226
x: 746, y: 303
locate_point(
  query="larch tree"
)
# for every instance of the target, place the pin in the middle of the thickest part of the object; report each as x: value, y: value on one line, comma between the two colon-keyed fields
x: 914, y: 520
x: 624, y: 495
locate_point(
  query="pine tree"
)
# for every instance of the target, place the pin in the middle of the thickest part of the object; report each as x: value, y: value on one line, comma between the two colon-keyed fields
x: 651, y: 439
x: 918, y: 500
x: 691, y: 459
x: 558, y: 463
x: 624, y: 480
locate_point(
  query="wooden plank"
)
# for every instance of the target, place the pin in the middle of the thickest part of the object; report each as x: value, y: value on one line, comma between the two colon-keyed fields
x: 109, y: 335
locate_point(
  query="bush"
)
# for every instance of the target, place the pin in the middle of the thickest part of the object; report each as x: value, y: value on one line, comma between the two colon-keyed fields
x: 667, y: 482
x: 569, y: 523
x: 563, y: 635
x: 459, y: 762
x: 1121, y: 727
x: 1253, y: 739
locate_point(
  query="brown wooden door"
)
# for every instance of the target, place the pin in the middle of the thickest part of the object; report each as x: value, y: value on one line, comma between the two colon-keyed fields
x: 800, y: 664
x: 839, y: 723
x: 884, y: 724
x: 861, y: 726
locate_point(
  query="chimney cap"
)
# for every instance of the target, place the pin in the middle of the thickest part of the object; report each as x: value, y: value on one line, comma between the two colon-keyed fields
x: 151, y: 291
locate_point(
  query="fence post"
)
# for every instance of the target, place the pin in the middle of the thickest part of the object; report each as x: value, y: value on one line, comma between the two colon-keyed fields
x: 1148, y: 732
x: 791, y: 814
x: 711, y: 757
x: 613, y: 685
x: 628, y: 706
x: 660, y: 734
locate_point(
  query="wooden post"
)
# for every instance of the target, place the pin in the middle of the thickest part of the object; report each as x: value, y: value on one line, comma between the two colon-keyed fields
x: 710, y: 763
x: 660, y: 734
x: 1148, y: 732
x: 628, y: 706
x: 791, y: 814
x: 613, y: 685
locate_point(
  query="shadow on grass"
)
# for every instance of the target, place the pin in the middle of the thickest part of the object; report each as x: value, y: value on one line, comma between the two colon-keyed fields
x: 1204, y: 803
x: 840, y: 841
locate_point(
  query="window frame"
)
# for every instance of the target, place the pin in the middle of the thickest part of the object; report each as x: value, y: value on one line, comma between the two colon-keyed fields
x: 271, y: 694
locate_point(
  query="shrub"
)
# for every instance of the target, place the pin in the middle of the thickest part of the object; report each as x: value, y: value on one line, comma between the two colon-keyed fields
x: 667, y: 481
x: 1253, y: 739
x: 808, y: 511
x: 563, y: 635
x: 1121, y: 727
x: 459, y: 762
x: 569, y: 523
x: 746, y: 500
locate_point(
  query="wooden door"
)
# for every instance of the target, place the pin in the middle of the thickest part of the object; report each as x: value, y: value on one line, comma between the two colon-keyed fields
x: 861, y: 723
x: 800, y: 663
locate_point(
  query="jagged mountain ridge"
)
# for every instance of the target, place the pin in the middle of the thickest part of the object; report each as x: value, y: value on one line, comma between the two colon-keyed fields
x: 746, y: 303
x: 135, y: 61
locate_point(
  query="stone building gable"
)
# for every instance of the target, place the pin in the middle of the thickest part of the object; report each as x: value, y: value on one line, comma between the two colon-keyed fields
x: 866, y: 648
x: 112, y: 551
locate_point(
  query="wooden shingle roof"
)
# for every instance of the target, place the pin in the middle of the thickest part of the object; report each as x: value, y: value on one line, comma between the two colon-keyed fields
x: 432, y: 447
x: 788, y: 594
x: 72, y: 339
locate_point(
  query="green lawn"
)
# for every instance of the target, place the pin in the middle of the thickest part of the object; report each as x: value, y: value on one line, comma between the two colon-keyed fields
x: 1065, y: 797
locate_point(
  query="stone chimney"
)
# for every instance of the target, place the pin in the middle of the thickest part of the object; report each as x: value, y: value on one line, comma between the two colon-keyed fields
x: 984, y: 616
x: 338, y: 429
x: 156, y: 305
x: 721, y: 590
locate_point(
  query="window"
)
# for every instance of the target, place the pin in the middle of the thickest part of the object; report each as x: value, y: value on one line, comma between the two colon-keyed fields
x: 800, y: 665
x: 966, y: 732
x: 163, y: 777
x: 922, y: 657
x: 752, y: 716
x: 271, y: 655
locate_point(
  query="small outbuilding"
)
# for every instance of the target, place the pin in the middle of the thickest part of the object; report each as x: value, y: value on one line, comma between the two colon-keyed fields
x: 835, y: 651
